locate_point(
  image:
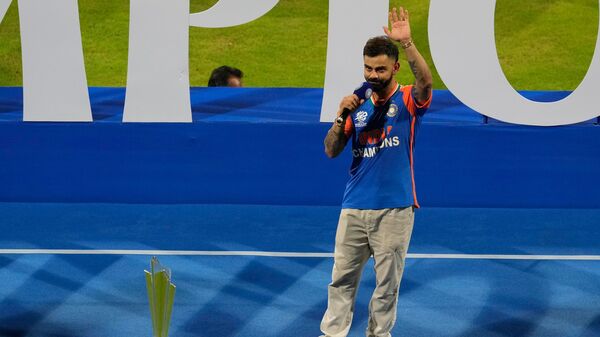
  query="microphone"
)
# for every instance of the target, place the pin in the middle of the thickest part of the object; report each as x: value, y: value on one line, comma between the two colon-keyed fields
x: 364, y: 92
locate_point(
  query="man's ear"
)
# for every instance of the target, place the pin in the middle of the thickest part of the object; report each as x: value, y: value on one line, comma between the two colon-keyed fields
x: 396, y: 67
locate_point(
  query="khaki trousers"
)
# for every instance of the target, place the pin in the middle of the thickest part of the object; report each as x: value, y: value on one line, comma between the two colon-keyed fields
x: 385, y: 234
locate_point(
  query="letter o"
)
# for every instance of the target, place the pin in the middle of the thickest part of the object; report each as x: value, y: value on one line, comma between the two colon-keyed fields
x: 463, y: 47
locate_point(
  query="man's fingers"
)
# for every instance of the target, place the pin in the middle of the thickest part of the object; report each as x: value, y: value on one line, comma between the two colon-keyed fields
x: 394, y: 14
x: 354, y: 102
x: 350, y: 102
x: 386, y: 30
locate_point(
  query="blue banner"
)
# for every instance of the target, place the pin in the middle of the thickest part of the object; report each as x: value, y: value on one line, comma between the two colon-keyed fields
x: 265, y: 146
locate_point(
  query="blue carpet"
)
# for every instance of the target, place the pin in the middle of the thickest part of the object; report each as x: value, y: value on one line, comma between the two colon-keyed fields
x: 104, y: 295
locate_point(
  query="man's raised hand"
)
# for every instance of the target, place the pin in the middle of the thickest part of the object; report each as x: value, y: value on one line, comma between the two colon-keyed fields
x: 399, y: 25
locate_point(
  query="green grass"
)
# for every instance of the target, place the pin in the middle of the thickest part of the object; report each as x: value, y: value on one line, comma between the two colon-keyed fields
x: 10, y: 48
x: 285, y: 48
x: 542, y: 44
x: 546, y: 45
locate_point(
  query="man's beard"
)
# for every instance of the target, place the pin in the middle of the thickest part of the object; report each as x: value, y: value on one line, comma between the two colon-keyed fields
x: 378, y: 85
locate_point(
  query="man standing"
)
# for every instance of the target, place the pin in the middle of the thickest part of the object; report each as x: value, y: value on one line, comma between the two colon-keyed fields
x: 378, y: 207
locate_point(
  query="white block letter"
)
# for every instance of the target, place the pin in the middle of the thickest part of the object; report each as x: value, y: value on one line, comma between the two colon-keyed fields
x: 351, y: 24
x: 461, y: 35
x: 54, y: 82
x: 158, y: 88
x: 229, y: 13
x: 3, y: 8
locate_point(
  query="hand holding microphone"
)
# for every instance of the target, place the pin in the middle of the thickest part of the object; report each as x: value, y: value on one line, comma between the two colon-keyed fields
x: 350, y: 103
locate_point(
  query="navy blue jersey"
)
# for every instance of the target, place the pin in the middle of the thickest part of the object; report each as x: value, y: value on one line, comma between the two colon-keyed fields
x: 383, y: 139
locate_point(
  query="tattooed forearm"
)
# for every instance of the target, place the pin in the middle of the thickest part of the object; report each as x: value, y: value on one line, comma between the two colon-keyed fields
x: 334, y: 142
x: 419, y: 68
x: 415, y: 70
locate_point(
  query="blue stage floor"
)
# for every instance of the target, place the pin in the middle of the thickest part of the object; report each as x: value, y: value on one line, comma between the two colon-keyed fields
x: 104, y: 295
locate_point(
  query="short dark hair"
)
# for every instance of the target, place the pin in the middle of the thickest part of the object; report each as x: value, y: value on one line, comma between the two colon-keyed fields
x: 381, y: 45
x: 219, y: 76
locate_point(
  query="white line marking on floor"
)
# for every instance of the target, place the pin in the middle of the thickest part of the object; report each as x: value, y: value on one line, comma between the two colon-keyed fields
x: 284, y: 254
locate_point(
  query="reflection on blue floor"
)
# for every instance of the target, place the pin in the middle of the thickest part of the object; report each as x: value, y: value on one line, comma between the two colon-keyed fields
x: 104, y: 295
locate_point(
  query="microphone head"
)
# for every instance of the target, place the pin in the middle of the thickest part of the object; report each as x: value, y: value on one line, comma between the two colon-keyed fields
x: 364, y: 91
